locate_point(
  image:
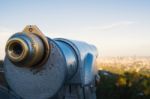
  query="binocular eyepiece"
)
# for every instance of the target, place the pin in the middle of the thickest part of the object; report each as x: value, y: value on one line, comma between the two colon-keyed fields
x: 28, y: 48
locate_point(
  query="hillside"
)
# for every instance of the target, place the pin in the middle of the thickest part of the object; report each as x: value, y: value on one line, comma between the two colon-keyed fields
x: 124, y: 78
x: 120, y: 65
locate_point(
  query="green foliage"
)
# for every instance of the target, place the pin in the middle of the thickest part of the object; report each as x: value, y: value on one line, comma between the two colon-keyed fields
x: 123, y: 86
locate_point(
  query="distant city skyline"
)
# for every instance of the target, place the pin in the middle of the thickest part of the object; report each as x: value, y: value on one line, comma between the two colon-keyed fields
x: 116, y: 27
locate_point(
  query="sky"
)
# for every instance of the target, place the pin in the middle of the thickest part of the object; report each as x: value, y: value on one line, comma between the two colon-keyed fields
x: 115, y: 27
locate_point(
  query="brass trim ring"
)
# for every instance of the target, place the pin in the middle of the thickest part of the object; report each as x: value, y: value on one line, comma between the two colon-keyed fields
x: 11, y: 52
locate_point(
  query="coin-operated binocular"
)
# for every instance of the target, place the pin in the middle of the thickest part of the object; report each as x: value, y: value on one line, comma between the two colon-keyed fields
x: 38, y: 67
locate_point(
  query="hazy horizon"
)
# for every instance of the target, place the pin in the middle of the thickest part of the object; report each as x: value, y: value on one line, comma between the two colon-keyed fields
x: 116, y: 28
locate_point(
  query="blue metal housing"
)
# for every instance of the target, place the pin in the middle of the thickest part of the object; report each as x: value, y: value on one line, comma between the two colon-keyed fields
x: 85, y: 54
x: 70, y: 63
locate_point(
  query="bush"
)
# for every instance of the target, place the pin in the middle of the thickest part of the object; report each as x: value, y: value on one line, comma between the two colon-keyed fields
x: 126, y: 86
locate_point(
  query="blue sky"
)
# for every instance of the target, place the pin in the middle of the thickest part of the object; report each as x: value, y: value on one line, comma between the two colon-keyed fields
x: 116, y: 27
